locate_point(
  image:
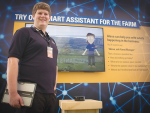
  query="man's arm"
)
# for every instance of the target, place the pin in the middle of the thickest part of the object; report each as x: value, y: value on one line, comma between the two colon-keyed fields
x: 84, y: 52
x: 12, y: 74
x: 97, y: 52
x: 56, y: 77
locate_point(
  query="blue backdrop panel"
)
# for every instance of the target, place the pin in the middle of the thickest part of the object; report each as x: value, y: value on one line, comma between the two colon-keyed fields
x: 116, y: 97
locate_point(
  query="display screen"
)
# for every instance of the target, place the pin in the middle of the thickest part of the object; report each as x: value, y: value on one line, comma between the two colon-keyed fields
x: 79, y: 48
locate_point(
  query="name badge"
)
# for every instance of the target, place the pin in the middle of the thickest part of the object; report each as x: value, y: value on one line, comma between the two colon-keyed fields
x: 49, y: 52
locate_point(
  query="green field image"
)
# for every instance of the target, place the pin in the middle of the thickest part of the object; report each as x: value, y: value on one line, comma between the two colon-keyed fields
x: 70, y: 56
x: 79, y: 63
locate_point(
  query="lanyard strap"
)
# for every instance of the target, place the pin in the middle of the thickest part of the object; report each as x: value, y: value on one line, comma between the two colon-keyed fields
x: 43, y: 36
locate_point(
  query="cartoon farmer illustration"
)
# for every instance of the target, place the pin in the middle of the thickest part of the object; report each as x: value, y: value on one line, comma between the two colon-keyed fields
x: 91, y: 47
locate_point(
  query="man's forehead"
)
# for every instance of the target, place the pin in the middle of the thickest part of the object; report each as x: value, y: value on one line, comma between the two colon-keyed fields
x: 90, y: 36
x: 42, y: 10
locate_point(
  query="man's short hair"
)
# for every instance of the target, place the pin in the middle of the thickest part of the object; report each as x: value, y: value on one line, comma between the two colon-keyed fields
x: 41, y: 5
x: 90, y: 34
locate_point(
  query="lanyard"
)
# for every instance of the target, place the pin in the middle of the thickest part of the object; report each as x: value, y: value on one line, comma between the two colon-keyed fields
x: 43, y: 36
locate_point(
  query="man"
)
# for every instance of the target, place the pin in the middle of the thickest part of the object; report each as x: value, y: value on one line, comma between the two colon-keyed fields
x: 91, y: 47
x: 33, y: 58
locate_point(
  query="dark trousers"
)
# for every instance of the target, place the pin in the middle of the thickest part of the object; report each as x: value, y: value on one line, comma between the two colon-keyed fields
x: 42, y: 103
x: 89, y: 60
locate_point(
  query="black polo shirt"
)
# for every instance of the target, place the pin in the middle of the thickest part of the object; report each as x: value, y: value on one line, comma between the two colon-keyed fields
x: 34, y: 66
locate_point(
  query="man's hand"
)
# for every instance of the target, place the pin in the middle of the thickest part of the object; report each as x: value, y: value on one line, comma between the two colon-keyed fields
x: 83, y: 53
x: 15, y: 100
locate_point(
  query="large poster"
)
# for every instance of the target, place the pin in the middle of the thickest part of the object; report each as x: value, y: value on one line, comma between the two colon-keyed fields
x: 125, y: 52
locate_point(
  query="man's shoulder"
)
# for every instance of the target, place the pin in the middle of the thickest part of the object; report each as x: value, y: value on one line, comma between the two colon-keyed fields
x: 23, y: 32
x: 89, y: 44
x: 24, y: 29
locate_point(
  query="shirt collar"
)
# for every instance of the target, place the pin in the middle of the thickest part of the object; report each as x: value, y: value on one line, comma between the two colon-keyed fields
x: 36, y: 30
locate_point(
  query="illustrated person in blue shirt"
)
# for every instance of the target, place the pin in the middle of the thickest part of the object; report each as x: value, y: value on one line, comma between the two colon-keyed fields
x: 91, y: 47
